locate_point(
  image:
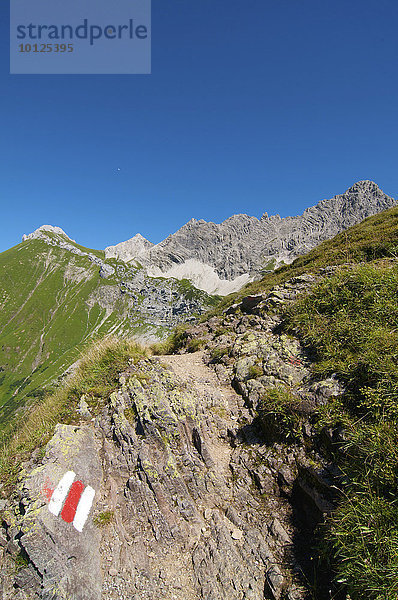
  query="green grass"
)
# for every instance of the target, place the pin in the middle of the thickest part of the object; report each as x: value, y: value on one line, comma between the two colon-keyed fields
x: 349, y: 322
x: 280, y: 416
x: 176, y: 340
x: 104, y: 518
x: 216, y: 354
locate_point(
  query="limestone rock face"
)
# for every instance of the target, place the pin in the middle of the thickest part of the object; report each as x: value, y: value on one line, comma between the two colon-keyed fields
x: 221, y: 258
x: 39, y: 233
x: 130, y: 249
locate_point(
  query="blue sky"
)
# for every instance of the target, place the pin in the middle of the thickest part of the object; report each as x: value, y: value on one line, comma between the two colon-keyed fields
x: 252, y: 106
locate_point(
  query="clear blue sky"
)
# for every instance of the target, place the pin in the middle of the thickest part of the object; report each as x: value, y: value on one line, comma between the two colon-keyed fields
x: 252, y: 106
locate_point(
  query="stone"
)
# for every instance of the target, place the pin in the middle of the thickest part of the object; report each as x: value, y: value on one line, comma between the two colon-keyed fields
x: 326, y: 389
x: 249, y: 302
x: 106, y: 271
x: 237, y: 534
x: 64, y: 558
x: 83, y: 409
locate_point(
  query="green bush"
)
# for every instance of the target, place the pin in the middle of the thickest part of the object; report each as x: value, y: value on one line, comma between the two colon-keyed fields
x: 195, y: 344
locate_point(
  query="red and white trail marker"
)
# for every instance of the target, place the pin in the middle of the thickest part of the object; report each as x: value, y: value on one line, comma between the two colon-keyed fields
x: 72, y: 500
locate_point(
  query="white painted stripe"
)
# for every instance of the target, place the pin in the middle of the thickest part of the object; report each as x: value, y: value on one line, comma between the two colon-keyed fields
x: 60, y: 493
x: 83, y: 508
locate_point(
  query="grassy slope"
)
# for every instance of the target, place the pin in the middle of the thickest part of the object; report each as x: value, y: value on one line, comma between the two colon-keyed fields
x: 350, y: 323
x: 45, y: 319
x: 96, y: 376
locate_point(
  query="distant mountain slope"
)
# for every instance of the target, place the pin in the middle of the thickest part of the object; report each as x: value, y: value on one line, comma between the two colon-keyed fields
x: 220, y: 258
x: 55, y: 296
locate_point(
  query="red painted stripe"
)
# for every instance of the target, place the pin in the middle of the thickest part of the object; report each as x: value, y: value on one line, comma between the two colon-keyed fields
x: 70, y: 506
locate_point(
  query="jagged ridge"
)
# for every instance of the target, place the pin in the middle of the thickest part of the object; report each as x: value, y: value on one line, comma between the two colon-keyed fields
x: 221, y: 258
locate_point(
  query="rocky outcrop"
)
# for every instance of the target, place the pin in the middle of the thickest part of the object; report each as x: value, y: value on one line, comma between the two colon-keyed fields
x: 220, y: 258
x: 56, y: 560
x: 55, y: 236
x: 143, y: 300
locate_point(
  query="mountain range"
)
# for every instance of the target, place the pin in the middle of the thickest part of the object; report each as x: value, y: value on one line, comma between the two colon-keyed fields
x: 221, y: 258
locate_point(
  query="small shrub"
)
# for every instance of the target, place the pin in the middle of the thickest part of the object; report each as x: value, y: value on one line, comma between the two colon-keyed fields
x: 177, y: 340
x: 217, y: 354
x: 221, y: 331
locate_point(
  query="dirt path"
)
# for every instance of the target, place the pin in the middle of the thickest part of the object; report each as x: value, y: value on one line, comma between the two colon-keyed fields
x: 223, y: 407
x: 191, y: 369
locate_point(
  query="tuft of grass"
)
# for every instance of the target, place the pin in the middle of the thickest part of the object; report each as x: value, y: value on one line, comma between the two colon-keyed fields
x: 104, y: 518
x: 255, y: 371
x: 177, y: 340
x: 195, y: 344
x: 364, y: 539
x: 280, y: 416
x: 216, y: 354
x: 21, y: 561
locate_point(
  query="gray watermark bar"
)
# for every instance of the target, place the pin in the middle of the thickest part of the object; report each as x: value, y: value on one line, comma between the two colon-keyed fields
x: 80, y: 36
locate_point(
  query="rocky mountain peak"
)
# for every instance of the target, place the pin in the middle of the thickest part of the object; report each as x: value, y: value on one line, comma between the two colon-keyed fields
x: 364, y: 185
x: 130, y: 249
x: 221, y: 258
x: 40, y: 232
